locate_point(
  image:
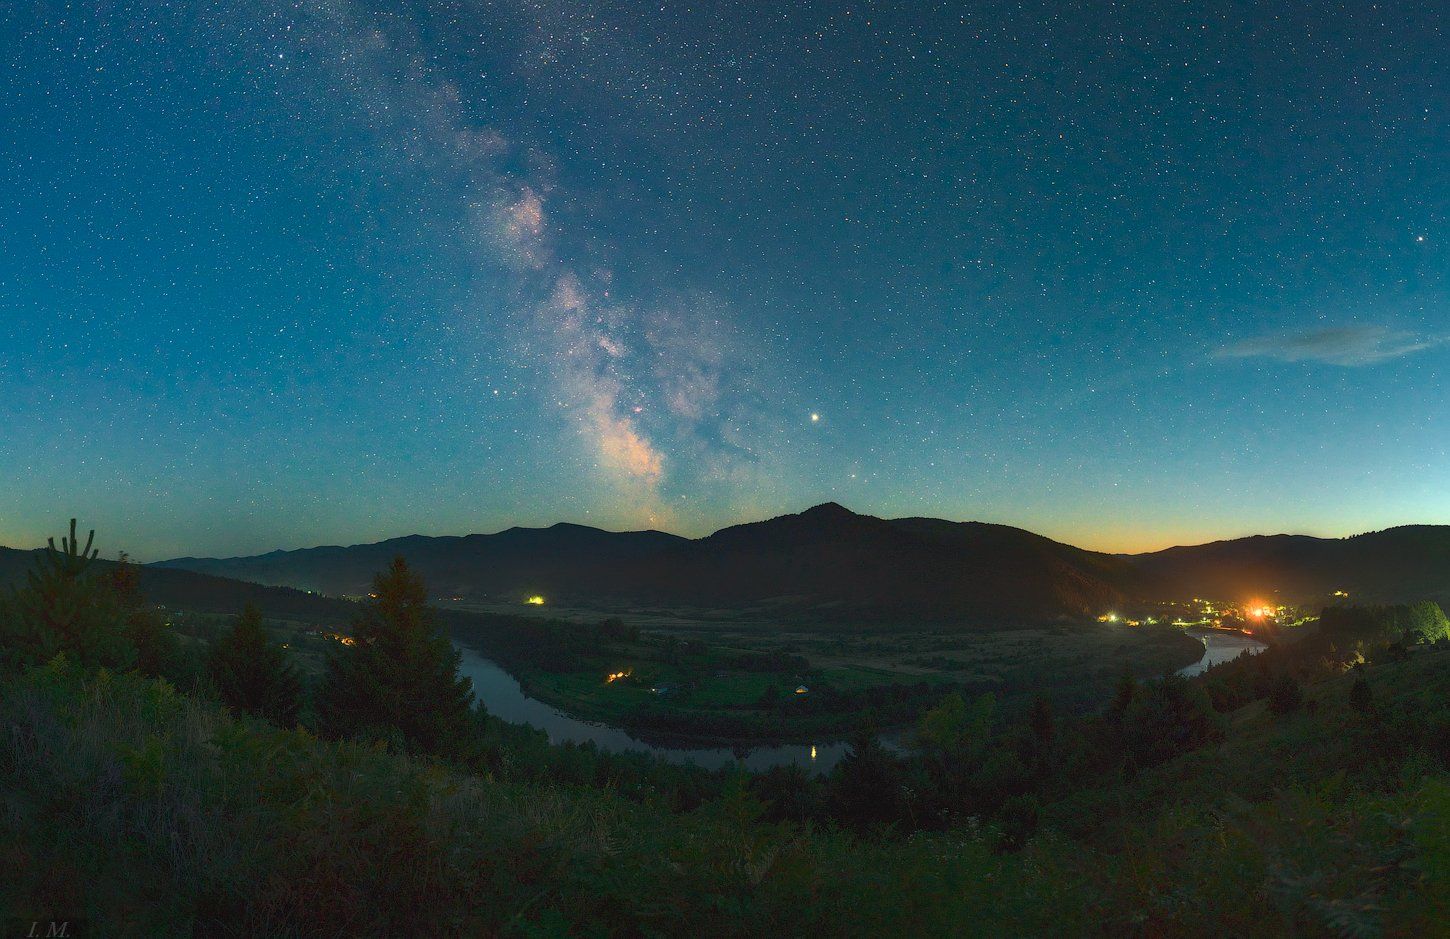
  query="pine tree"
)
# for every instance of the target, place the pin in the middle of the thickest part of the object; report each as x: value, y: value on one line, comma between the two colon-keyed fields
x: 1361, y: 698
x: 1123, y: 695
x: 158, y: 653
x: 1285, y: 695
x: 398, y: 673
x: 253, y: 674
x: 865, y: 787
x: 64, y: 607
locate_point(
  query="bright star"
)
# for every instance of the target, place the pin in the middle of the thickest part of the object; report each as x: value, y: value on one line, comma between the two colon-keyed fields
x: 815, y: 418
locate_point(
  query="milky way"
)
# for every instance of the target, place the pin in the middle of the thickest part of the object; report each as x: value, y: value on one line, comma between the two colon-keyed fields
x: 282, y: 273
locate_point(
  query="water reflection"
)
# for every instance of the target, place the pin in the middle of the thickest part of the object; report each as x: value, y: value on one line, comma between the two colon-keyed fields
x: 1220, y: 646
x: 500, y: 693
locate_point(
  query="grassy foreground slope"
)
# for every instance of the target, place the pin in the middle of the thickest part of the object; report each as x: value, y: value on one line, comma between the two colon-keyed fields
x: 155, y: 813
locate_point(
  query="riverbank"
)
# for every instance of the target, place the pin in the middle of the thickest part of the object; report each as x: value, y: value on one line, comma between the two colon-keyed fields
x: 748, y: 687
x: 505, y: 698
x: 1220, y: 646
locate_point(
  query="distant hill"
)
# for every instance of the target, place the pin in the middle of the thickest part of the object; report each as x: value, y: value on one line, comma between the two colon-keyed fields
x: 825, y: 563
x: 557, y: 560
x: 829, y: 563
x: 183, y: 589
x: 1411, y: 562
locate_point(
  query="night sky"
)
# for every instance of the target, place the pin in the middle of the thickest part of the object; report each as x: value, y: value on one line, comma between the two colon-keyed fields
x: 1126, y: 274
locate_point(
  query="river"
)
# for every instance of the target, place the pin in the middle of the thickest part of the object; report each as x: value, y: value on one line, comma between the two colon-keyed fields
x: 505, y: 699
x: 1220, y: 646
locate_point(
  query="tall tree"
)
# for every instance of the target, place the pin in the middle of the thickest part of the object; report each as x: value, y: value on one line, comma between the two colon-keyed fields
x: 1285, y: 695
x: 1361, y: 698
x: 158, y: 652
x: 865, y: 787
x: 398, y: 672
x: 65, y: 607
x: 1123, y: 695
x: 1426, y: 623
x: 253, y: 674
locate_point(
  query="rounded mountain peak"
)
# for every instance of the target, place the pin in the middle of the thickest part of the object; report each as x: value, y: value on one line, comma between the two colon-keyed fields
x: 828, y: 510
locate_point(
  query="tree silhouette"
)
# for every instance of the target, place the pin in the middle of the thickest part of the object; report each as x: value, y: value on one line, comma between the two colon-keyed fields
x: 1361, y: 698
x: 866, y: 785
x: 64, y: 607
x: 1285, y: 696
x: 158, y: 652
x: 398, y: 673
x: 1123, y: 695
x: 253, y: 674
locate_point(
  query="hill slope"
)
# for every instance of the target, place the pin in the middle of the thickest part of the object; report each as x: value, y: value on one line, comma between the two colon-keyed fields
x: 827, y: 562
x: 205, y: 593
x: 1408, y: 563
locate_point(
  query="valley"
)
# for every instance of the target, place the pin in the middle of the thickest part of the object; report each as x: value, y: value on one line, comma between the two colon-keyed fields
x: 742, y: 679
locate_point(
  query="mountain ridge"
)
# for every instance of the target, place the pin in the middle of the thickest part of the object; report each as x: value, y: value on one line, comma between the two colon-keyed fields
x: 830, y: 562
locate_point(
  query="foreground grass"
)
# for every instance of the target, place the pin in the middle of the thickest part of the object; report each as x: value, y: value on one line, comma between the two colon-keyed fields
x: 154, y: 813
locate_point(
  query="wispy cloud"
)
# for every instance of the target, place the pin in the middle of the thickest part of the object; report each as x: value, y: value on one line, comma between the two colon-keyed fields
x: 1348, y: 346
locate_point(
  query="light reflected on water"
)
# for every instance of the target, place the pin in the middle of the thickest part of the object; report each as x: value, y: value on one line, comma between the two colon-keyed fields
x: 505, y: 699
x: 1219, y: 646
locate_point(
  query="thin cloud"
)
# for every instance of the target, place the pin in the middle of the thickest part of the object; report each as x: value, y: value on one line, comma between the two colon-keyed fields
x: 1348, y: 346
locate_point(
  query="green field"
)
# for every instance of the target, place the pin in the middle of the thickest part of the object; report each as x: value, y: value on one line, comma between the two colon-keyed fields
x: 737, y: 678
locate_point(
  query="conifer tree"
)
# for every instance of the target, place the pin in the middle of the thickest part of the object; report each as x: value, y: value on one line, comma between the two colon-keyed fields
x: 1360, y: 696
x: 398, y: 673
x: 1123, y: 695
x: 865, y: 787
x: 1285, y: 695
x: 64, y: 607
x: 158, y: 653
x: 253, y: 674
